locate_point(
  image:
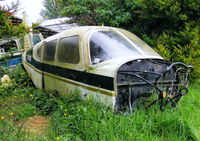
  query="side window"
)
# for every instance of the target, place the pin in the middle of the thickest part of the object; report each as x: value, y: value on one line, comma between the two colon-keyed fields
x: 39, y: 52
x: 29, y: 54
x: 21, y: 41
x: 36, y: 39
x: 68, y: 50
x: 49, y: 50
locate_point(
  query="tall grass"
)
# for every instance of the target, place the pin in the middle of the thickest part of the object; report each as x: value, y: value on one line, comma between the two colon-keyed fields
x: 92, y: 121
x: 74, y: 119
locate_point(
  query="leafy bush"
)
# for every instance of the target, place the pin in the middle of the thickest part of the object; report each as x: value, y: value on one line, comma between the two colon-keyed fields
x: 21, y: 77
x: 182, y: 46
x: 44, y: 101
x: 7, y: 28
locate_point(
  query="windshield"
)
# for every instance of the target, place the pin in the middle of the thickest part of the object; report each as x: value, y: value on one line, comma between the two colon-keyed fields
x: 105, y: 45
x: 145, y: 48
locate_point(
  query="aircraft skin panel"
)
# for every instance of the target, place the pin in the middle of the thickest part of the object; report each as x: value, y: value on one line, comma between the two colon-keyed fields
x: 109, y: 68
x: 101, y: 81
x: 66, y: 86
x: 35, y: 74
x: 50, y: 79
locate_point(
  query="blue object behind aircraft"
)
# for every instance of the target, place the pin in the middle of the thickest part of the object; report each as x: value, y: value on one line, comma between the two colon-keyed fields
x: 11, y: 62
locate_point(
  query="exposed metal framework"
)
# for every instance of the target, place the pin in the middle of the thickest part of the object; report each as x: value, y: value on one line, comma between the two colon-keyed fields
x: 140, y: 80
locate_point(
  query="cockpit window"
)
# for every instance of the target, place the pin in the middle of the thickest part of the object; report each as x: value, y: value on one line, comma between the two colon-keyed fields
x: 68, y: 50
x: 105, y: 45
x: 49, y: 50
x: 145, y: 48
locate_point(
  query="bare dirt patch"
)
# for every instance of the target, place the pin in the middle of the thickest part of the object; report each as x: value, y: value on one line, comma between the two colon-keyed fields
x: 36, y: 125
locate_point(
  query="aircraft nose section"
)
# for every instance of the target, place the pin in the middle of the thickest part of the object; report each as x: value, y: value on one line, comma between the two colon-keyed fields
x: 150, y: 81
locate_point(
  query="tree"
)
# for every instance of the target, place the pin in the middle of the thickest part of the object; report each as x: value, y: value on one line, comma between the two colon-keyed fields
x: 96, y: 12
x: 51, y: 9
x: 7, y: 28
x: 171, y: 27
x: 176, y: 28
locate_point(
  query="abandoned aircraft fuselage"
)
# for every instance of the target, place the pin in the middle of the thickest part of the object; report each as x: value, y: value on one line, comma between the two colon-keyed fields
x: 109, y: 64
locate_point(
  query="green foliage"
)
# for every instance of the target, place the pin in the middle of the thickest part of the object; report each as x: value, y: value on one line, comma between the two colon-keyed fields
x: 96, y: 12
x: 19, y: 77
x: 89, y: 120
x: 176, y: 24
x: 164, y: 15
x: 182, y: 46
x: 7, y: 29
x: 52, y: 8
x: 15, y: 107
x: 44, y: 101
